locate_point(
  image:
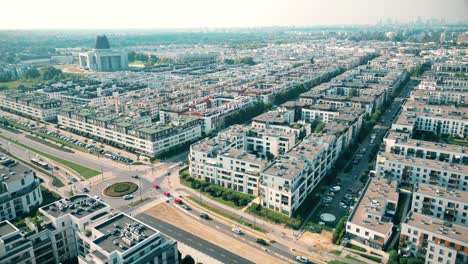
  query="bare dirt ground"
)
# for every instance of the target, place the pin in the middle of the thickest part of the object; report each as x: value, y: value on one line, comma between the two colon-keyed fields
x: 322, y: 242
x: 189, y: 224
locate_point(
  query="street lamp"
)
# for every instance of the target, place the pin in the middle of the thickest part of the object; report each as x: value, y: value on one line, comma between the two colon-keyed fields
x: 139, y: 181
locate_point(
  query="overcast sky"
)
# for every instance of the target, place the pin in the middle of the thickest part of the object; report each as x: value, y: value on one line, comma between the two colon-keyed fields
x: 83, y: 14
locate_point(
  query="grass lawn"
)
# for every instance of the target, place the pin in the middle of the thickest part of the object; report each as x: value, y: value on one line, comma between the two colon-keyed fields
x: 82, y: 170
x: 355, y: 247
x: 275, y: 217
x: 49, y: 144
x: 135, y: 203
x: 224, y: 214
x: 26, y: 83
x: 373, y: 258
x: 336, y: 252
x: 354, y: 259
x: 120, y: 189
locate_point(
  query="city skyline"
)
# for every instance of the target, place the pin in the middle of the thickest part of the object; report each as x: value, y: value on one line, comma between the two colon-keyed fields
x: 53, y: 14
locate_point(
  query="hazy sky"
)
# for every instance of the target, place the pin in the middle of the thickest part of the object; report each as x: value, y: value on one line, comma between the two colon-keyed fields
x: 33, y: 14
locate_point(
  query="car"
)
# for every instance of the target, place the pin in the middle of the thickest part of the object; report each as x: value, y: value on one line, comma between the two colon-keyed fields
x: 97, y: 197
x: 330, y: 194
x: 343, y: 205
x: 237, y: 231
x: 348, y: 196
x: 135, y: 176
x: 155, y: 185
x: 205, y: 216
x: 56, y: 168
x: 178, y: 201
x: 349, y: 190
x: 186, y: 207
x: 127, y: 197
x: 167, y: 194
x: 261, y: 241
x: 167, y: 173
x: 74, y: 180
x: 302, y: 259
x: 180, y: 163
x: 327, y: 199
x: 85, y: 190
x: 335, y: 188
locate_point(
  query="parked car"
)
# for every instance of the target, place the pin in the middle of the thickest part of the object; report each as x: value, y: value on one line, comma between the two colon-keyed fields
x: 155, y: 185
x: 167, y: 194
x: 135, y: 176
x: 74, y: 180
x: 335, y: 188
x: 178, y: 201
x: 167, y: 173
x: 180, y: 163
x: 97, y: 197
x: 127, y: 197
x: 327, y: 199
x: 205, y: 216
x: 302, y: 259
x: 343, y: 205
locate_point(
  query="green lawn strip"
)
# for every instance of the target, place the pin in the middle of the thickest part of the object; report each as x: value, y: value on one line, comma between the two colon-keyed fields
x: 135, y: 203
x: 55, y: 181
x: 222, y: 195
x: 273, y: 216
x: 82, y: 170
x: 11, y: 129
x: 354, y: 259
x: 227, y: 215
x: 376, y: 259
x: 336, y: 252
x: 49, y: 144
x: 355, y: 247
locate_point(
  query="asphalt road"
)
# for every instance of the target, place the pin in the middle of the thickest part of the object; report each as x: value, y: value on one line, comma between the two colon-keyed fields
x: 351, y: 180
x: 193, y: 241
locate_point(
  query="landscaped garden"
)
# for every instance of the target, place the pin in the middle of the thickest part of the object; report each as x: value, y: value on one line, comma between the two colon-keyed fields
x: 120, y: 189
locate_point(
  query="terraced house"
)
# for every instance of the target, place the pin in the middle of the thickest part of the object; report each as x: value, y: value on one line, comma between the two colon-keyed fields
x: 36, y: 106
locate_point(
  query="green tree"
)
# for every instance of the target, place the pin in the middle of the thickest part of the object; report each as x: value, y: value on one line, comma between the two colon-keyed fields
x: 32, y: 73
x: 50, y: 73
x: 229, y: 61
x: 131, y: 56
x: 247, y: 60
x: 187, y: 260
x: 392, y: 257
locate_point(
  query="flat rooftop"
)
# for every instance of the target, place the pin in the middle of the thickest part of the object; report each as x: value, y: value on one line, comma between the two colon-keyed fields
x: 6, y: 228
x: 414, y: 161
x: 374, y: 201
x: 121, y: 233
x: 11, y: 171
x: 438, y: 228
x: 285, y: 167
x: 79, y: 206
x: 441, y: 192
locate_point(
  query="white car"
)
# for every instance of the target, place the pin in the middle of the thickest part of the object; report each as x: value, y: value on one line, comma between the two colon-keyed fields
x: 302, y: 259
x: 327, y: 199
x: 343, y: 205
x: 127, y: 197
x: 97, y: 197
x: 236, y: 230
x: 335, y: 188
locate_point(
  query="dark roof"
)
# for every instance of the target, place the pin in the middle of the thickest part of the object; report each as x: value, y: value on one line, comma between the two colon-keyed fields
x: 102, y: 42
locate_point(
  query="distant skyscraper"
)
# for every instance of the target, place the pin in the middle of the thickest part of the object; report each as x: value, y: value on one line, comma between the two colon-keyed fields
x: 102, y: 58
x: 442, y: 37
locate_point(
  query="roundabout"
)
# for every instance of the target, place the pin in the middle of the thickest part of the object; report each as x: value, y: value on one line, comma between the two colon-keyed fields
x: 120, y: 189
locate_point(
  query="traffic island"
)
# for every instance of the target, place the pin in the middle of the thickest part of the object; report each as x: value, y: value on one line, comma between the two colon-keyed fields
x: 120, y: 189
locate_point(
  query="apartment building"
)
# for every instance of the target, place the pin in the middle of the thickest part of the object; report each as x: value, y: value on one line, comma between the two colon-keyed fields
x: 32, y: 105
x: 81, y: 227
x: 19, y: 189
x: 133, y: 130
x: 435, y: 240
x: 402, y: 144
x: 441, y: 202
x: 14, y: 247
x: 283, y: 184
x: 412, y: 170
x: 371, y: 221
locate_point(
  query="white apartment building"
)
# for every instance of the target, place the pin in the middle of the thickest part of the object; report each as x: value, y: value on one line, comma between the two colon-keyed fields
x: 413, y: 170
x: 402, y: 144
x: 19, y: 189
x: 323, y: 113
x: 14, y: 247
x: 371, y: 220
x: 441, y: 202
x: 83, y: 227
x: 36, y: 106
x: 283, y: 185
x: 136, y: 133
x: 435, y: 240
